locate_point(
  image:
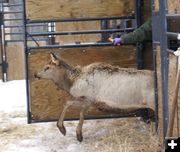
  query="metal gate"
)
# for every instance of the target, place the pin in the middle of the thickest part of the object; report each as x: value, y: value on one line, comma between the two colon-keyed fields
x: 12, y: 29
x: 105, y: 31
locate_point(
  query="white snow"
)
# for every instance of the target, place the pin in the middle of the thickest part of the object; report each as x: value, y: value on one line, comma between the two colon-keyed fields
x: 12, y: 96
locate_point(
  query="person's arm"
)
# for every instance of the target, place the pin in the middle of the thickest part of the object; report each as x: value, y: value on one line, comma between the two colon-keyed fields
x: 143, y: 33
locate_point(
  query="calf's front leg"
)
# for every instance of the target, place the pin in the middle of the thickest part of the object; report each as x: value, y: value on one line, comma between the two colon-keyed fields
x: 78, y: 102
x: 60, y: 123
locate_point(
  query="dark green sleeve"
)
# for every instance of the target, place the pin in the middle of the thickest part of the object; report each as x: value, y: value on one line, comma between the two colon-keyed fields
x: 143, y: 33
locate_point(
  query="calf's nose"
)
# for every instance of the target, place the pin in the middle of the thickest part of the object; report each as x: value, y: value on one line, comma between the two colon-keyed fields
x: 36, y: 76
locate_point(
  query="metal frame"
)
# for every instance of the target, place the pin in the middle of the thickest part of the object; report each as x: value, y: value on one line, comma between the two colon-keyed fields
x: 4, y: 64
x: 3, y: 23
x: 27, y: 48
x: 18, y: 20
x: 160, y: 37
x: 139, y: 46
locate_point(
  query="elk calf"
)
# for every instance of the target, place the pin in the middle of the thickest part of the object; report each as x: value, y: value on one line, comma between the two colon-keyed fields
x: 117, y: 89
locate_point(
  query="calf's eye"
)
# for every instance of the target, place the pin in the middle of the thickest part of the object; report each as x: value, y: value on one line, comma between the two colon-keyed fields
x: 47, y: 68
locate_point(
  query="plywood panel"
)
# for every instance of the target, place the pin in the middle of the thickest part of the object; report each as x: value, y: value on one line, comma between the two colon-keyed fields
x: 156, y: 5
x: 171, y: 89
x: 46, y: 9
x: 159, y: 87
x: 47, y: 100
x: 16, y: 62
x: 173, y: 6
x: 78, y: 26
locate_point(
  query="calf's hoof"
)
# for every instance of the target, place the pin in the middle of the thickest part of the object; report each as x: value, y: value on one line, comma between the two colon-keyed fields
x: 62, y: 129
x: 79, y: 137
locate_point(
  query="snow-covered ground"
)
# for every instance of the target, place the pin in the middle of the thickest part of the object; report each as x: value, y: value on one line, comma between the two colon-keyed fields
x: 99, y: 135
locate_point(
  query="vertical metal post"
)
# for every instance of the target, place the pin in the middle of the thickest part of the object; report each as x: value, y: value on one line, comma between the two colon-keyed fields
x: 3, y: 45
x: 51, y: 38
x: 155, y: 37
x: 104, y: 36
x: 139, y: 46
x: 155, y: 87
x: 164, y: 63
x: 26, y: 52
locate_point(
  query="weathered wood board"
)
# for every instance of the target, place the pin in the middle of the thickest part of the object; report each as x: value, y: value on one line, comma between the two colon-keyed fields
x: 173, y: 6
x: 171, y: 87
x: 46, y: 99
x: 46, y: 9
x: 16, y: 61
x: 159, y: 88
x: 156, y: 5
x: 78, y: 26
x: 171, y: 90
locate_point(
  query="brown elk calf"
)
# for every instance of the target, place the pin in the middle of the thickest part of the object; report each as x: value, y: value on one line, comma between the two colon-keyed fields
x: 98, y: 83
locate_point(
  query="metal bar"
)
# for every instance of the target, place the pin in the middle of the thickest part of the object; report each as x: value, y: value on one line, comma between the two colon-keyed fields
x: 173, y: 16
x: 27, y: 40
x: 164, y: 64
x: 15, y: 33
x: 172, y: 34
x: 139, y: 46
x: 15, y: 26
x: 3, y: 48
x: 81, y: 32
x: 30, y: 25
x: 33, y: 39
x: 13, y: 19
x: 87, y: 118
x: 71, y: 45
x: 170, y: 51
x: 13, y: 12
x: 104, y: 26
x: 26, y: 62
x: 138, y: 113
x: 12, y: 5
x: 3, y: 1
x: 80, y: 19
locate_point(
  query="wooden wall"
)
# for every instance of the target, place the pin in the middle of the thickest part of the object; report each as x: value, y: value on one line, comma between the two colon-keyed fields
x: 173, y: 6
x: 46, y: 9
x: 46, y: 99
x: 73, y: 9
x: 159, y: 87
x: 171, y: 83
x: 16, y: 61
x: 78, y: 26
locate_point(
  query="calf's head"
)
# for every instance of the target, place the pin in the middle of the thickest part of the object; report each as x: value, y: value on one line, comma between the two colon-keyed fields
x: 53, y: 70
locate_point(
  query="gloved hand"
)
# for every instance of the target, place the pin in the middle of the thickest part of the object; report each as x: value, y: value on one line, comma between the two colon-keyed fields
x: 117, y: 41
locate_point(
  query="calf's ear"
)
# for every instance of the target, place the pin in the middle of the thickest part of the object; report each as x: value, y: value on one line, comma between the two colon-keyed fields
x: 54, y: 58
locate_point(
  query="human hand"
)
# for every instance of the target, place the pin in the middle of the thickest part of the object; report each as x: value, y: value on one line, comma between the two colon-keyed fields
x: 117, y: 41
